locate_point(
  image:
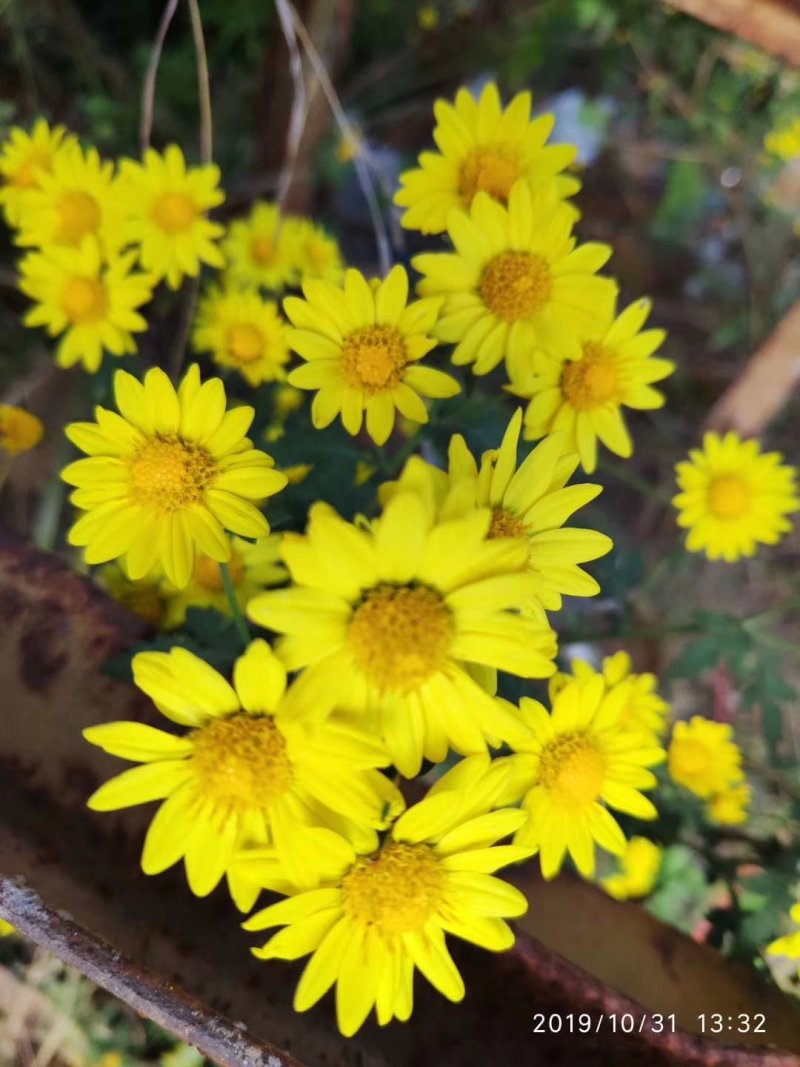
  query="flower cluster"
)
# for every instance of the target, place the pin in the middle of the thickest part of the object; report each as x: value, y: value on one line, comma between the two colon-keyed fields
x: 704, y: 758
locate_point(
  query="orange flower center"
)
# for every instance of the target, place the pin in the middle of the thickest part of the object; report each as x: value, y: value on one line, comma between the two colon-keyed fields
x: 505, y: 524
x: 373, y: 358
x: 173, y: 212
x: 79, y: 214
x: 208, y: 575
x: 84, y: 300
x: 490, y: 170
x: 245, y: 343
x: 573, y: 769
x: 728, y: 497
x: 262, y: 251
x: 397, y: 890
x: 168, y: 474
x: 592, y: 381
x: 26, y: 176
x: 242, y: 761
x: 516, y: 285
x: 400, y: 636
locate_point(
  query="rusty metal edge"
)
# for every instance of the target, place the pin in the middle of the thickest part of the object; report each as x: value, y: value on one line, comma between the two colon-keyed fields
x: 213, y: 1034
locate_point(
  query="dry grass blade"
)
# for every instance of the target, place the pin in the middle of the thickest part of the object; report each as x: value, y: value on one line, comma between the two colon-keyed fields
x: 203, y: 84
x: 300, y: 101
x: 151, y: 75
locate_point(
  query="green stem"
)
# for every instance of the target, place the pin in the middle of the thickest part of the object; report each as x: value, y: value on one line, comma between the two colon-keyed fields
x: 238, y: 618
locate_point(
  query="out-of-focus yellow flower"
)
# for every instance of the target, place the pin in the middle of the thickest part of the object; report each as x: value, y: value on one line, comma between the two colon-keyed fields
x: 789, y: 944
x: 427, y: 17
x: 19, y: 430
x: 318, y: 254
x: 144, y: 597
x: 730, y: 807
x: 364, y: 471
x: 297, y: 472
x: 784, y: 141
x: 704, y: 758
x: 6, y: 929
x: 638, y: 870
x: 349, y: 147
x: 243, y: 331
x: 24, y: 158
x: 261, y: 250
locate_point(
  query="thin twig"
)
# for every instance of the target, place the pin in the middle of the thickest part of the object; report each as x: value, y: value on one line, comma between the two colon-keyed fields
x: 203, y: 84
x: 300, y: 101
x: 151, y: 74
x: 362, y: 171
x: 236, y: 611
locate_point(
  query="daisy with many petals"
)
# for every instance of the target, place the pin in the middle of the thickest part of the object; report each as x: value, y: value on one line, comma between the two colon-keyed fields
x: 167, y: 204
x: 483, y: 147
x: 89, y: 300
x: 24, y: 158
x: 639, y: 867
x: 734, y: 497
x: 385, y: 912
x: 167, y: 475
x: 261, y: 250
x: 77, y: 198
x: 243, y: 331
x: 363, y: 345
x: 318, y: 254
x: 245, y: 771
x: 577, y: 764
x: 704, y: 758
x: 391, y: 621
x: 584, y: 393
x: 516, y: 281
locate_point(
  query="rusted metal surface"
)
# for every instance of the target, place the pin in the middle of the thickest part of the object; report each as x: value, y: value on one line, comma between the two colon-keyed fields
x: 73, y: 884
x: 217, y: 1037
x: 773, y: 25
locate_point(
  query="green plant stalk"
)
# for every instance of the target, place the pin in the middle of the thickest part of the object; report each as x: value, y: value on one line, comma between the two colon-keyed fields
x: 239, y: 620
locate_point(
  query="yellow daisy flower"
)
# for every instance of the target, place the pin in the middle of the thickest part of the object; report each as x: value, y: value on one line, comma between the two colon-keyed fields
x: 533, y: 502
x: 483, y: 147
x: 704, y: 758
x: 247, y: 771
x: 639, y: 866
x: 168, y: 204
x: 734, y: 497
x: 363, y: 346
x: 24, y: 157
x: 643, y: 710
x: 516, y: 281
x: 77, y: 198
x: 19, y: 430
x: 391, y: 619
x: 261, y: 250
x: 789, y: 944
x: 166, y: 476
x: 318, y: 254
x: 583, y: 395
x: 243, y: 331
x: 145, y: 597
x: 253, y: 567
x: 784, y: 141
x: 387, y: 911
x: 90, y: 302
x: 730, y: 807
x: 577, y: 764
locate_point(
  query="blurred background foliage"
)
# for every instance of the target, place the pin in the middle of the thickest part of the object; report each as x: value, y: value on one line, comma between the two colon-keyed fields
x: 670, y: 118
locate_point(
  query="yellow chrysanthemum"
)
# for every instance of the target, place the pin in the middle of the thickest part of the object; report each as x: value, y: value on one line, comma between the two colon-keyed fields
x: 19, y: 430
x: 24, y: 158
x: 386, y: 911
x: 533, y: 502
x: 483, y: 147
x: 144, y: 597
x: 583, y: 394
x: 243, y: 331
x: 730, y: 807
x: 643, y: 710
x: 789, y: 944
x: 516, y: 281
x: 167, y: 204
x: 253, y: 567
x: 638, y: 870
x: 390, y: 620
x: 166, y: 476
x: 577, y: 764
x: 734, y: 497
x: 261, y: 250
x: 91, y: 302
x: 318, y: 254
x: 363, y: 345
x: 247, y: 772
x: 784, y: 141
x: 77, y: 198
x: 704, y: 758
